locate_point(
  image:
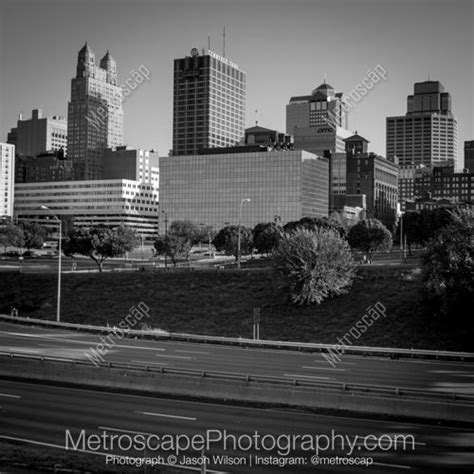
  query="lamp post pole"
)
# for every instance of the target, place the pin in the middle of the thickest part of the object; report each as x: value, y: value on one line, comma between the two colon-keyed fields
x: 238, y: 233
x: 60, y: 230
x: 166, y: 238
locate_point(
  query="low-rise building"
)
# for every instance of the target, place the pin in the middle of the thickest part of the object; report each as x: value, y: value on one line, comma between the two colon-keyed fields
x: 89, y: 203
x: 442, y: 182
x: 209, y: 189
x: 44, y: 167
x: 7, y: 179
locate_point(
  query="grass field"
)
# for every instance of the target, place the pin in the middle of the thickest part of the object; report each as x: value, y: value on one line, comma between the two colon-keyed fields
x: 221, y: 303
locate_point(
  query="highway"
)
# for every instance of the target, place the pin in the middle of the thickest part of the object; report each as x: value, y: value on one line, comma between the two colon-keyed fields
x: 40, y: 414
x: 414, y: 373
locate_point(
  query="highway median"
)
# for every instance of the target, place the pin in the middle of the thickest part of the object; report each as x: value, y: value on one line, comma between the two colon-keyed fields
x: 397, y: 402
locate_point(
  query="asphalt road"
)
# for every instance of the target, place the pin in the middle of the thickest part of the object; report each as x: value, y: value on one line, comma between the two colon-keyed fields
x: 422, y: 374
x: 40, y: 414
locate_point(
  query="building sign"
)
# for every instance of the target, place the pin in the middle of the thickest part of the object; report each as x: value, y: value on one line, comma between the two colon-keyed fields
x: 222, y: 59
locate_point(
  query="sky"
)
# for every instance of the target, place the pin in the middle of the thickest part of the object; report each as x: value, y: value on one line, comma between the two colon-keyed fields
x: 286, y: 48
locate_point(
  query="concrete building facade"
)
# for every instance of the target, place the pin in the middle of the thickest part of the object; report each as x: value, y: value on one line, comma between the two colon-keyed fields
x: 208, y: 189
x: 375, y: 177
x: 39, y: 134
x: 317, y: 121
x: 89, y: 203
x: 208, y: 102
x: 444, y: 183
x: 7, y: 179
x: 95, y: 115
x: 425, y: 135
x: 134, y: 164
x: 48, y: 166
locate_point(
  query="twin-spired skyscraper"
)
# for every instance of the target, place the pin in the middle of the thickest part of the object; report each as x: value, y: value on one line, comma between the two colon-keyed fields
x: 95, y: 115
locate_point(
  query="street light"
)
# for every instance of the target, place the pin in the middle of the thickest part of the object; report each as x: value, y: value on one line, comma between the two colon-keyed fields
x: 166, y: 238
x: 240, y: 221
x: 58, y: 307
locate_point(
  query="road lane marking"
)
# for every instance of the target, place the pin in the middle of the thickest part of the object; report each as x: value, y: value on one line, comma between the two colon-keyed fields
x: 9, y: 395
x: 54, y: 338
x: 322, y: 368
x: 108, y: 428
x: 306, y: 376
x: 166, y: 416
x: 149, y: 363
x: 192, y: 352
x: 174, y: 357
x: 22, y: 349
x: 179, y: 417
x: 396, y: 466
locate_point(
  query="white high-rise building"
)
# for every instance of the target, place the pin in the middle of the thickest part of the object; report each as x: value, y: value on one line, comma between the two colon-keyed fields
x: 7, y: 179
x: 95, y: 115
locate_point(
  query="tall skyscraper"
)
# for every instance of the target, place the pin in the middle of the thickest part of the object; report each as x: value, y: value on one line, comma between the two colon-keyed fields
x: 38, y: 134
x: 7, y: 179
x: 317, y: 121
x: 208, y: 102
x: 469, y: 156
x: 425, y: 135
x: 95, y: 115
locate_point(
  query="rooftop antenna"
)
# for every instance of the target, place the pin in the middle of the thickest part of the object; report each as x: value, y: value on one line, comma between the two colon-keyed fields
x: 325, y: 78
x: 223, y: 41
x: 209, y: 42
x: 256, y: 117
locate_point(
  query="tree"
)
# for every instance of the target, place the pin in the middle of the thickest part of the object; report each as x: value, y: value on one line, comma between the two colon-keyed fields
x: 34, y: 235
x: 370, y: 236
x: 180, y: 238
x: 11, y: 235
x: 206, y: 234
x: 174, y: 246
x: 185, y: 229
x: 313, y: 223
x: 100, y: 243
x: 266, y: 236
x: 227, y: 238
x: 314, y: 264
x: 448, y: 266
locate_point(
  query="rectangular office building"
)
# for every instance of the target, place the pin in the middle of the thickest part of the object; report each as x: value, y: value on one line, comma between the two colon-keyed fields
x: 7, y: 179
x: 208, y: 189
x: 208, y: 102
x: 112, y: 202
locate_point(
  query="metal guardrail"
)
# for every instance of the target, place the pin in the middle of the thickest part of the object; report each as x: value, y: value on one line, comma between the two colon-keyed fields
x: 393, y: 353
x: 378, y: 390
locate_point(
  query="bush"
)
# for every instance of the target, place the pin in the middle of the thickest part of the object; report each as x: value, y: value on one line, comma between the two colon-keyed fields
x: 448, y: 266
x: 314, y: 264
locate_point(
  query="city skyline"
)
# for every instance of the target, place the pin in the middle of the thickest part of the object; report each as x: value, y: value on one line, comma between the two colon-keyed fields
x: 321, y: 42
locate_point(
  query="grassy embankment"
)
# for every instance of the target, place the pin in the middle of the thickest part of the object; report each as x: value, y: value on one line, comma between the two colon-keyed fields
x: 221, y: 303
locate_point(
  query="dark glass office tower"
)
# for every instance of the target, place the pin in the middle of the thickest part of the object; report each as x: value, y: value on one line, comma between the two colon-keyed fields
x: 208, y: 102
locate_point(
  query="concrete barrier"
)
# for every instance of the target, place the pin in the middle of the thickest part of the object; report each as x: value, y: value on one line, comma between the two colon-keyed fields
x: 394, y: 353
x: 230, y: 389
